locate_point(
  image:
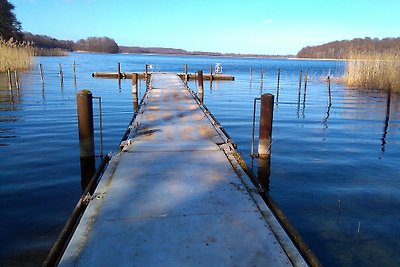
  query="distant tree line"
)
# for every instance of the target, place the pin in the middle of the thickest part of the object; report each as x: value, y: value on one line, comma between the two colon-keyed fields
x: 97, y: 44
x: 44, y: 41
x: 341, y: 49
x: 91, y: 44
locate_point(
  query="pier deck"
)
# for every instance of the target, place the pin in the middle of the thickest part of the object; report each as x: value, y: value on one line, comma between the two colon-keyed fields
x: 175, y: 196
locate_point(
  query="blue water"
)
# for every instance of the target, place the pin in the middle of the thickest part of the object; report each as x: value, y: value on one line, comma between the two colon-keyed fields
x: 334, y: 169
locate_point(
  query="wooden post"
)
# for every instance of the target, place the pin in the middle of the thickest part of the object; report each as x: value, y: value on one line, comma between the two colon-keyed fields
x: 119, y: 71
x: 329, y: 91
x: 185, y: 70
x: 146, y: 77
x: 301, y: 74
x: 74, y: 67
x: 265, y: 133
x: 211, y: 72
x: 16, y: 79
x: 251, y: 73
x: 134, y: 82
x: 279, y: 78
x: 262, y: 74
x: 9, y: 79
x: 200, y: 85
x: 61, y: 74
x: 85, y: 123
x: 277, y: 86
x: 41, y: 73
x: 305, y: 82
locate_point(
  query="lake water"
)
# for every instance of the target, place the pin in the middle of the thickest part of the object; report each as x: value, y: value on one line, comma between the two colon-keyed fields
x: 334, y: 168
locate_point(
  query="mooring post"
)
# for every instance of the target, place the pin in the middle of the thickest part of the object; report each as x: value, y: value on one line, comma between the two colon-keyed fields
x: 211, y: 73
x: 146, y: 75
x: 185, y: 70
x: 119, y: 71
x: 329, y: 91
x: 265, y: 133
x: 251, y: 73
x: 200, y: 85
x: 61, y: 74
x: 9, y: 79
x: 85, y: 123
x: 279, y: 78
x: 277, y: 86
x: 262, y: 74
x: 264, y: 171
x: 305, y: 82
x: 41, y: 73
x: 74, y: 68
x: 301, y: 74
x: 16, y: 79
x: 134, y: 82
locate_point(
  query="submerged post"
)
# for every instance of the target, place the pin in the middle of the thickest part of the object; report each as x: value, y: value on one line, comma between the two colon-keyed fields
x: 134, y: 82
x: 119, y: 71
x: 9, y: 79
x: 61, y: 74
x: 41, y: 73
x: 301, y: 75
x: 85, y: 123
x: 262, y: 74
x: 266, y: 115
x: 200, y: 85
x: 329, y: 91
x: 16, y: 79
x: 279, y: 78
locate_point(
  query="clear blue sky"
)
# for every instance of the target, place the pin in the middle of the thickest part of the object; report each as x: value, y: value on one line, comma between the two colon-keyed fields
x: 239, y: 26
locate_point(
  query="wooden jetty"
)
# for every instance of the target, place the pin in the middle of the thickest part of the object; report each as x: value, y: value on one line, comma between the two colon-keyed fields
x: 176, y: 196
x: 142, y: 75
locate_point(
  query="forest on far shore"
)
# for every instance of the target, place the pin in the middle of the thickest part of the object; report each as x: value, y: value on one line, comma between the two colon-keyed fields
x: 332, y: 50
x: 341, y: 49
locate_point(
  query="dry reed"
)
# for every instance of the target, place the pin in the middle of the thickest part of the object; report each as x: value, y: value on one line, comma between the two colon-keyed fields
x: 15, y: 56
x: 374, y: 70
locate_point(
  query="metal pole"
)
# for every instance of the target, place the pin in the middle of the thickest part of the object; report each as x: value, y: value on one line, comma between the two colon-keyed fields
x: 74, y: 67
x: 200, y: 85
x: 85, y: 123
x: 266, y: 116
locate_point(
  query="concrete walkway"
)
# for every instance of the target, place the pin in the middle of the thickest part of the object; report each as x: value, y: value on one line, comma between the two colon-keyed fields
x: 175, y: 196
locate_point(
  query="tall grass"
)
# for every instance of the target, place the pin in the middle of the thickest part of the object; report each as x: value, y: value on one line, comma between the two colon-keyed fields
x: 373, y: 70
x: 16, y: 56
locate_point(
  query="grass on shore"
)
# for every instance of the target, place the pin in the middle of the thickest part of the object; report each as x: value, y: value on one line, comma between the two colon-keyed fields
x: 374, y: 70
x: 15, y: 56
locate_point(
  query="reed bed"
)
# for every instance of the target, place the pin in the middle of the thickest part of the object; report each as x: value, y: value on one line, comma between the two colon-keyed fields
x: 15, y: 56
x: 373, y: 70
